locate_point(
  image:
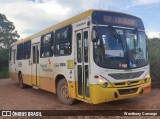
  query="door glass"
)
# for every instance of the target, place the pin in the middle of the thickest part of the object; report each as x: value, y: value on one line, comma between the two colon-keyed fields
x: 86, y: 46
x: 82, y: 64
x: 87, y: 81
x: 34, y: 55
x: 10, y: 54
x: 37, y: 54
x: 79, y: 45
x: 14, y: 55
x: 79, y: 79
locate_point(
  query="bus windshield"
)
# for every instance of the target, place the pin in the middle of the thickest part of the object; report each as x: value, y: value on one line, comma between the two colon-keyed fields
x: 117, y: 48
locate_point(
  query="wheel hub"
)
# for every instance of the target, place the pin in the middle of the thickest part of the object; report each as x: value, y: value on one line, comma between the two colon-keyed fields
x: 64, y: 91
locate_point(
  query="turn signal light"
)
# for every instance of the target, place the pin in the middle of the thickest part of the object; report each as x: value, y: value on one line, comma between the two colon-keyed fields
x: 145, y: 80
x: 147, y: 89
x: 105, y: 85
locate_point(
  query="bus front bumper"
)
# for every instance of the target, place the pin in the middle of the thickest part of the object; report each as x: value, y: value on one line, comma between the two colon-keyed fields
x: 100, y: 94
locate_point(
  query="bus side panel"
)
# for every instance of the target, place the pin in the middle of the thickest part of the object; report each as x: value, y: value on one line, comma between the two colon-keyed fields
x: 71, y: 89
x: 46, y: 79
x: 26, y: 71
x: 48, y: 84
x: 12, y: 63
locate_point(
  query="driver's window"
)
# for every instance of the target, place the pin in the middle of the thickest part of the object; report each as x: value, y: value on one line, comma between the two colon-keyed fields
x: 131, y: 40
x: 142, y: 44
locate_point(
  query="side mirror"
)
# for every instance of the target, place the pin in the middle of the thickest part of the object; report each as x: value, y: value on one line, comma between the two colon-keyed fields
x: 52, y: 48
x: 95, y: 36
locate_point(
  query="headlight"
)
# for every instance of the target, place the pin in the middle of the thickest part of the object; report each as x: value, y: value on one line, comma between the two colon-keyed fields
x: 102, y: 82
x: 148, y: 75
x: 147, y: 78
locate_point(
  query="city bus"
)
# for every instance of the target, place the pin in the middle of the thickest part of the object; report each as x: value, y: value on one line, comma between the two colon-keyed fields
x: 97, y: 56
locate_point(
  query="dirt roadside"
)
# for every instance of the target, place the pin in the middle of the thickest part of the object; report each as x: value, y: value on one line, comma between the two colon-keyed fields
x: 14, y: 98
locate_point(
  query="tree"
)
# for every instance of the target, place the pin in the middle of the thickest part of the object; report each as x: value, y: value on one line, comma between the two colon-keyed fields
x: 8, y: 34
x: 154, y: 56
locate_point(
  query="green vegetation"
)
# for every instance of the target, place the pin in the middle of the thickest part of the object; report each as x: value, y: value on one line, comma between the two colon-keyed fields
x: 4, y: 72
x: 154, y: 58
x: 3, y: 63
x: 8, y: 35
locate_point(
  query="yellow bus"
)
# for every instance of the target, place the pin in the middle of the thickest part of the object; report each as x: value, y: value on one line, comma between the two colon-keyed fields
x: 97, y: 56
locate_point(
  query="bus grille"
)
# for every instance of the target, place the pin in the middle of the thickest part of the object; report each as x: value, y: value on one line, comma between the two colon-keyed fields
x: 121, y: 76
x: 127, y: 91
x: 119, y: 84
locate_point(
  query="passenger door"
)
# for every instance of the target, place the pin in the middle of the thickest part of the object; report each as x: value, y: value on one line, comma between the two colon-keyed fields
x: 35, y: 64
x: 82, y: 64
x: 12, y: 63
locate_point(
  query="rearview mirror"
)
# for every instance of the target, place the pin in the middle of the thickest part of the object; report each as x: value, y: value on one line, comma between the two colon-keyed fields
x: 95, y: 36
x: 52, y: 48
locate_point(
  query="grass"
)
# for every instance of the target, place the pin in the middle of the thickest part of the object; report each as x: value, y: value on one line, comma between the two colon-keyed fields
x: 4, y: 72
x: 154, y: 58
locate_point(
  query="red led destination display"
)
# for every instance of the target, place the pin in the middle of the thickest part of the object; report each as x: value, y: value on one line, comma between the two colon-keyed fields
x: 117, y: 19
x: 120, y: 20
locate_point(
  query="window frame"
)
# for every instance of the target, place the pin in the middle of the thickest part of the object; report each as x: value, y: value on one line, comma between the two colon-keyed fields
x: 27, y: 50
x: 42, y: 46
x: 63, y: 41
x: 20, y: 51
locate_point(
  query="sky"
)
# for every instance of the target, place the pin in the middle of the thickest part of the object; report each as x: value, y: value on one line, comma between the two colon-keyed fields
x: 32, y: 16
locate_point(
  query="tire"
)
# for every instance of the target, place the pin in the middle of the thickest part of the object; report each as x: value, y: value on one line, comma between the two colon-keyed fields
x: 21, y: 84
x: 62, y: 92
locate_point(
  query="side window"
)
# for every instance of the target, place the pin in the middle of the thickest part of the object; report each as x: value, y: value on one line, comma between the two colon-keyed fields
x: 20, y: 51
x: 27, y: 50
x: 46, y: 44
x: 63, y: 41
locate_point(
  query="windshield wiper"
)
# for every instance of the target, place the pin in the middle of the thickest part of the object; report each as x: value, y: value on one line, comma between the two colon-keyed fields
x: 117, y: 36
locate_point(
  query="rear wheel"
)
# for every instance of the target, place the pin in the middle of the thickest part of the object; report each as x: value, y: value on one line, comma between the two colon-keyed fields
x: 21, y: 84
x: 62, y: 92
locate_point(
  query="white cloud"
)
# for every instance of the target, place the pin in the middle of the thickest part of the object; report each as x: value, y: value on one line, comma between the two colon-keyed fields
x: 30, y: 17
x: 79, y: 6
x: 142, y: 2
x: 153, y: 34
x: 147, y: 1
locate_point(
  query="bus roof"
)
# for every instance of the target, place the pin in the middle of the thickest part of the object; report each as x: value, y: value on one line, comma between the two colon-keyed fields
x: 65, y: 23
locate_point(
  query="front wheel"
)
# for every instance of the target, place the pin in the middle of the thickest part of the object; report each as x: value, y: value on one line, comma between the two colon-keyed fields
x: 62, y: 92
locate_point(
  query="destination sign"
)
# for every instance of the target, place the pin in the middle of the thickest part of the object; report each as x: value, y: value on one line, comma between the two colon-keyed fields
x: 117, y: 19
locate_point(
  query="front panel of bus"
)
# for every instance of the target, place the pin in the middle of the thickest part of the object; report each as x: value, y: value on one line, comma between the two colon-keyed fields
x: 119, y: 60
